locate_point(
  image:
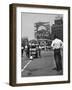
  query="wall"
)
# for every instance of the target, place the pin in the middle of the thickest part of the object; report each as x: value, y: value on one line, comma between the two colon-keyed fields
x: 4, y: 45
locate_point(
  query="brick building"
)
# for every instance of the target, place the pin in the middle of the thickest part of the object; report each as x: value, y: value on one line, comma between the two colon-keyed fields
x: 57, y: 28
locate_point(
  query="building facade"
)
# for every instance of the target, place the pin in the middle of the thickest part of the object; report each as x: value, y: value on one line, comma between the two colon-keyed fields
x: 57, y: 28
x: 42, y: 35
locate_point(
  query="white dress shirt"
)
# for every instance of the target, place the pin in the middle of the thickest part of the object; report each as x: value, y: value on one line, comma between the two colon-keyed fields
x: 56, y: 44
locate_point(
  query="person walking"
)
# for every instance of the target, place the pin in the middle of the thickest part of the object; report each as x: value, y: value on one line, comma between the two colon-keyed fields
x: 39, y: 50
x: 27, y: 50
x: 57, y: 44
x: 22, y: 50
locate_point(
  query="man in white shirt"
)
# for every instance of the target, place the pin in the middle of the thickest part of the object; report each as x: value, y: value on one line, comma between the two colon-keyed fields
x: 57, y: 44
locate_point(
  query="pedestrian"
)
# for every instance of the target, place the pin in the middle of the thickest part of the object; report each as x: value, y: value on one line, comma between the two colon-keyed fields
x: 27, y: 50
x: 57, y: 44
x: 39, y: 50
x: 22, y: 50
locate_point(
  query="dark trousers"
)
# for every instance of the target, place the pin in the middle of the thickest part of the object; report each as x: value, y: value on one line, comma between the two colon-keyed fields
x: 27, y: 53
x: 22, y: 51
x: 58, y: 59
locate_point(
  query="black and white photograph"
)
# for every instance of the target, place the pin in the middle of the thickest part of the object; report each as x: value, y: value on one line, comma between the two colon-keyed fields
x: 41, y: 44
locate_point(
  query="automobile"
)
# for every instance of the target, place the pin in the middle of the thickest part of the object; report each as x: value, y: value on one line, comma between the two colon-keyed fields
x: 48, y: 47
x: 43, y: 47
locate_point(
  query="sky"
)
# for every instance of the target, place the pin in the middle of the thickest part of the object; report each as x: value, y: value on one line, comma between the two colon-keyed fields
x: 28, y: 20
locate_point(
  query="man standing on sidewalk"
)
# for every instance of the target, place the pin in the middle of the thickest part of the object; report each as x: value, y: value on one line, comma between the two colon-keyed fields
x: 57, y: 45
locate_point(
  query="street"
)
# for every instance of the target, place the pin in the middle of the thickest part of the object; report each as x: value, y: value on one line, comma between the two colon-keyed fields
x: 42, y: 66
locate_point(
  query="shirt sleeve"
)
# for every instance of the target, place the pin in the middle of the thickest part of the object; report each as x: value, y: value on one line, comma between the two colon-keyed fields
x: 61, y: 44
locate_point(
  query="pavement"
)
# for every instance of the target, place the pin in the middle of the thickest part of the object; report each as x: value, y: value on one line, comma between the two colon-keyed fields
x: 42, y: 66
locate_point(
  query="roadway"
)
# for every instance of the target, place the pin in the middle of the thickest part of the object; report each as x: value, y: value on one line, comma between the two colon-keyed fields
x: 42, y: 66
